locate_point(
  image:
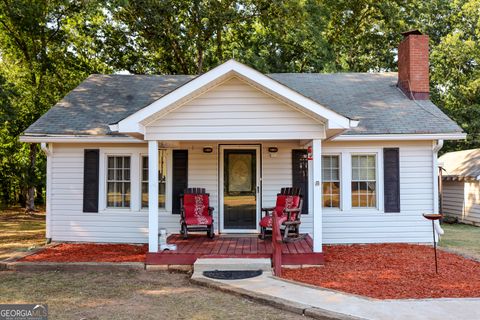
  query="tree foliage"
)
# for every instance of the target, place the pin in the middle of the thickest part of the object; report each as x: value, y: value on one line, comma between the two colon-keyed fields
x: 47, y: 47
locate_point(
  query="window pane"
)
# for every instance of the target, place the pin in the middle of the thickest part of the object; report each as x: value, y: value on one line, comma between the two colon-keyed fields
x: 162, y: 177
x: 371, y: 161
x: 355, y: 174
x: 145, y: 195
x: 118, y: 181
x: 119, y: 175
x: 326, y: 188
x: 355, y: 161
x: 331, y: 181
x: 327, y: 201
x: 335, y: 175
x: 355, y: 199
x: 363, y: 181
x: 327, y: 162
x: 119, y: 162
x: 335, y: 188
x: 363, y: 161
x: 371, y: 187
x: 326, y: 172
x: 126, y: 194
x: 335, y: 200
x: 335, y: 161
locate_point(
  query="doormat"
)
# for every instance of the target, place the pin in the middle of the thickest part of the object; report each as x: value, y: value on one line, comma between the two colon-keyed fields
x: 232, y: 274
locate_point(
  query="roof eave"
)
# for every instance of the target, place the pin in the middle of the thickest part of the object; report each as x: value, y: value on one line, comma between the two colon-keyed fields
x: 402, y: 136
x: 57, y: 138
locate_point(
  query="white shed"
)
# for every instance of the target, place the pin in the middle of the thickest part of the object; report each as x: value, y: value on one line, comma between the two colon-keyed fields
x: 461, y: 185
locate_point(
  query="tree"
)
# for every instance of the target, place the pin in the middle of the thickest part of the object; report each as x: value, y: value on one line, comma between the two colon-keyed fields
x: 455, y: 72
x: 41, y: 57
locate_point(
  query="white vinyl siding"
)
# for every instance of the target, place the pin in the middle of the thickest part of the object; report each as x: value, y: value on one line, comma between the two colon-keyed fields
x: 234, y: 110
x: 70, y: 223
x: 461, y: 199
x: 372, y: 225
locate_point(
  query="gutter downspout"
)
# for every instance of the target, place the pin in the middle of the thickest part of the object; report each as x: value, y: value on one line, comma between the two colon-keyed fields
x: 436, y: 147
x: 48, y: 150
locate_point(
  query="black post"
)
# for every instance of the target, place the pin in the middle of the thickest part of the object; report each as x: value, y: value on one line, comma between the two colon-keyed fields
x: 435, y: 246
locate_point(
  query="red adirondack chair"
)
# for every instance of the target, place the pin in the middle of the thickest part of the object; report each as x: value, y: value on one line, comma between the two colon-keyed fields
x: 195, y: 212
x: 288, y: 209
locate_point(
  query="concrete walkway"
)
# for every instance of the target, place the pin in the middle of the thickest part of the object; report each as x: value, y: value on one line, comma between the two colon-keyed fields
x: 336, y: 305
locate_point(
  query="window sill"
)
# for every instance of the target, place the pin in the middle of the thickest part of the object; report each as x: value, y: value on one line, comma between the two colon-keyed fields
x: 330, y: 209
x: 116, y: 210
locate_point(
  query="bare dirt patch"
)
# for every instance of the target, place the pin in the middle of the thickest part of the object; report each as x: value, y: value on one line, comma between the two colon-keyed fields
x: 393, y: 271
x: 90, y: 252
x: 20, y: 231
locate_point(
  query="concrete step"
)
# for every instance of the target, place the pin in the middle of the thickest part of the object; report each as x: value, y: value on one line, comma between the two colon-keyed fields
x: 226, y: 264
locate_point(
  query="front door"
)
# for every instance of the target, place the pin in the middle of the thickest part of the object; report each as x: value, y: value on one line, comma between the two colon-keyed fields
x: 240, y: 173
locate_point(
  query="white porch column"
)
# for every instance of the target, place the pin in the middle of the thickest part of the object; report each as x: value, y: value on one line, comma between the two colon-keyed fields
x: 153, y: 196
x: 317, y: 195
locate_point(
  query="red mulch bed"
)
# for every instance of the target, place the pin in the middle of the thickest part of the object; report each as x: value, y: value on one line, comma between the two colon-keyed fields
x: 89, y: 252
x: 393, y: 271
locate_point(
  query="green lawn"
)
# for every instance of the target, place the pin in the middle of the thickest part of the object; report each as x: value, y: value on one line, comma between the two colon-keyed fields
x: 20, y: 231
x: 461, y: 238
x: 128, y: 295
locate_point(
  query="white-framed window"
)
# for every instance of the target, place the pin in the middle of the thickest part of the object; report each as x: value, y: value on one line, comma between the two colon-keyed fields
x: 118, y: 181
x: 364, y: 181
x: 331, y: 181
x: 162, y: 179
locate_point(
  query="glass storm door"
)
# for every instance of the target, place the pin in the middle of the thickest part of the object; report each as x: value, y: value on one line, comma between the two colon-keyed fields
x: 240, y: 189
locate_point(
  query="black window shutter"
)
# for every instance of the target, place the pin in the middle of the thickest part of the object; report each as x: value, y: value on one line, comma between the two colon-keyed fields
x: 90, y: 180
x: 391, y: 177
x: 179, y: 177
x: 300, y: 175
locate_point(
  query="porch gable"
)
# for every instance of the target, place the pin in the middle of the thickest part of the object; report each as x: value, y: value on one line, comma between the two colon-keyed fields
x: 234, y: 110
x: 135, y: 123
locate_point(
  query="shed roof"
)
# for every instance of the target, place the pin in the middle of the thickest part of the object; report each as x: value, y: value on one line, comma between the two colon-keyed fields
x: 461, y: 165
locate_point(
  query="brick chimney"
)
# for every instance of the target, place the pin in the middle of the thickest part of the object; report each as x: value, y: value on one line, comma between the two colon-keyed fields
x: 413, y: 67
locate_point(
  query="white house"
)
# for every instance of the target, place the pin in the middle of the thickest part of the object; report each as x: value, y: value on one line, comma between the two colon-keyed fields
x: 121, y: 148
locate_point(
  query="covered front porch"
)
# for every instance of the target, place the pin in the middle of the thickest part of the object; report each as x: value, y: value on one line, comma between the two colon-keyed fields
x: 235, y: 114
x: 234, y: 246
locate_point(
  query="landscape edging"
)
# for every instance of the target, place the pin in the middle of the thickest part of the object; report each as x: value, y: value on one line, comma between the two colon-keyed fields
x: 72, y: 266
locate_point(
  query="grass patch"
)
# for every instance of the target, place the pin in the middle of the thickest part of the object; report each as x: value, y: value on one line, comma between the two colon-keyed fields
x: 20, y: 231
x: 461, y: 238
x: 128, y: 295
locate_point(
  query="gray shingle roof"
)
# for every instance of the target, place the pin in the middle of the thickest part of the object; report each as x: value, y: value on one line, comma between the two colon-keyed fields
x: 461, y: 164
x: 373, y: 99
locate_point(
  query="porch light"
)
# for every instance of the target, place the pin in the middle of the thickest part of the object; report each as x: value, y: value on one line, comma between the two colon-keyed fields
x: 273, y: 151
x: 207, y: 149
